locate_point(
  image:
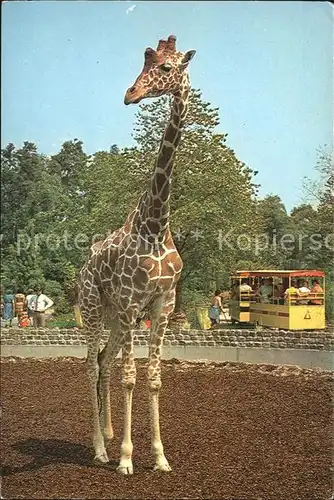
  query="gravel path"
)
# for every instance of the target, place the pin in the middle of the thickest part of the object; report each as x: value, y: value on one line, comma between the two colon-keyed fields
x: 230, y: 431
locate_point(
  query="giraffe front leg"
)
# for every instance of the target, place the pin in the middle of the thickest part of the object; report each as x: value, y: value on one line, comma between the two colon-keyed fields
x: 161, y: 463
x: 159, y: 325
x: 125, y: 466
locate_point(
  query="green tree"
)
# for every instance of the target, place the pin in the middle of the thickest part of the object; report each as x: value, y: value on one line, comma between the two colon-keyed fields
x: 321, y: 193
x: 70, y: 164
x: 32, y: 210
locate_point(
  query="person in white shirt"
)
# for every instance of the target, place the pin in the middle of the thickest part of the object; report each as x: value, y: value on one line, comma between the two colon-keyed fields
x: 244, y: 287
x: 30, y: 311
x: 304, y: 290
x: 39, y: 303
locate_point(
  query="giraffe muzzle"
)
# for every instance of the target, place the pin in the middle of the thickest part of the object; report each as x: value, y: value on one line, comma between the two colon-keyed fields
x: 131, y: 96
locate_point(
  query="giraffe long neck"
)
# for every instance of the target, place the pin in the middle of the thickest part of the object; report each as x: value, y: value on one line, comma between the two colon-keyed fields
x: 154, y: 206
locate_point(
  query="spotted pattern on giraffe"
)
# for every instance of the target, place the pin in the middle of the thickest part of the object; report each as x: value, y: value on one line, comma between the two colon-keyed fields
x: 136, y: 267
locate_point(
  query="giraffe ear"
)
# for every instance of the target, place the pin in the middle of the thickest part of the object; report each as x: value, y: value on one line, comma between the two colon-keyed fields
x: 188, y: 57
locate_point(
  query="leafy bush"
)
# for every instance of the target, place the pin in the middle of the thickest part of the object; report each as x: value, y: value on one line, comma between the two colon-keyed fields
x: 62, y: 321
x: 330, y: 303
x: 192, y: 300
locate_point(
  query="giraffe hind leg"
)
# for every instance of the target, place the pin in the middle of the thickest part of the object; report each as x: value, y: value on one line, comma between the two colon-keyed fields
x: 93, y: 376
x: 105, y: 359
x: 92, y: 318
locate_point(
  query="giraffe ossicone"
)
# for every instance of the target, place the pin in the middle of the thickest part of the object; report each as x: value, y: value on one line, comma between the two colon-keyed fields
x: 136, y: 267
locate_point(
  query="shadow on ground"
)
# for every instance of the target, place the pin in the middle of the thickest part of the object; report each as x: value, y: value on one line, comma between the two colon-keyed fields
x: 52, y: 451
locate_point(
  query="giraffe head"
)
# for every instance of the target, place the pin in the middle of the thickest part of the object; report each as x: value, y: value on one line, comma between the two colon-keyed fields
x: 163, y: 72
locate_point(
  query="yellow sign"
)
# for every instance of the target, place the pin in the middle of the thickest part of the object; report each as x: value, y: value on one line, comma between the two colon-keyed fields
x: 307, y: 315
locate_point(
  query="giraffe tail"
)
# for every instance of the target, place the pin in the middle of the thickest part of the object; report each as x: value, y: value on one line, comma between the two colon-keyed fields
x: 98, y: 384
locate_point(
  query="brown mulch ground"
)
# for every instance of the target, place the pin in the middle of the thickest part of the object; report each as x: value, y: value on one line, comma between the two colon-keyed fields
x: 230, y: 430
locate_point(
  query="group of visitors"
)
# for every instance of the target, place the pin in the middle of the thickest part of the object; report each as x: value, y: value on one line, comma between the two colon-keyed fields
x: 266, y: 291
x: 28, y: 309
x: 300, y: 290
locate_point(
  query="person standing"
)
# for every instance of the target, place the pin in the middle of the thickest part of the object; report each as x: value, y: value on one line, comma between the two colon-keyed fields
x: 39, y: 303
x: 30, y: 311
x: 20, y: 304
x: 215, y: 308
x: 8, y: 307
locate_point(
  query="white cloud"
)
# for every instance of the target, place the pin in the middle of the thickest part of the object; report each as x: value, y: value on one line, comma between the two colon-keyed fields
x: 130, y: 9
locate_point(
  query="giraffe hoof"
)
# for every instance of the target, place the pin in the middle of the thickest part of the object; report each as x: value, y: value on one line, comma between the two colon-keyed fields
x: 162, y: 467
x: 102, y: 458
x: 125, y: 471
x: 125, y: 467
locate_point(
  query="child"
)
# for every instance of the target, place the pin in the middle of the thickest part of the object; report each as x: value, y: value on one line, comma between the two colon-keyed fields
x: 24, y: 320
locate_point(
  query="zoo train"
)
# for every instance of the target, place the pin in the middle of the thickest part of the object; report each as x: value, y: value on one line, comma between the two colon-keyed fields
x: 289, y: 300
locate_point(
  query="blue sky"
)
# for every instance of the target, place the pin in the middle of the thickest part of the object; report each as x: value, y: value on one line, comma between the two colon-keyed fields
x: 268, y: 66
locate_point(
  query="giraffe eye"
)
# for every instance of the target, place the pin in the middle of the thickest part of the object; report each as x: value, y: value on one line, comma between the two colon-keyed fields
x: 166, y: 67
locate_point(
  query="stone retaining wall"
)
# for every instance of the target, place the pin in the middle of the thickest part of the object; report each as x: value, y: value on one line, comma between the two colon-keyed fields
x: 320, y: 340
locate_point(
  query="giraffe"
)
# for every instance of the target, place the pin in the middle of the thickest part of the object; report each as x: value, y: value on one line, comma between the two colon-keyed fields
x: 136, y: 267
